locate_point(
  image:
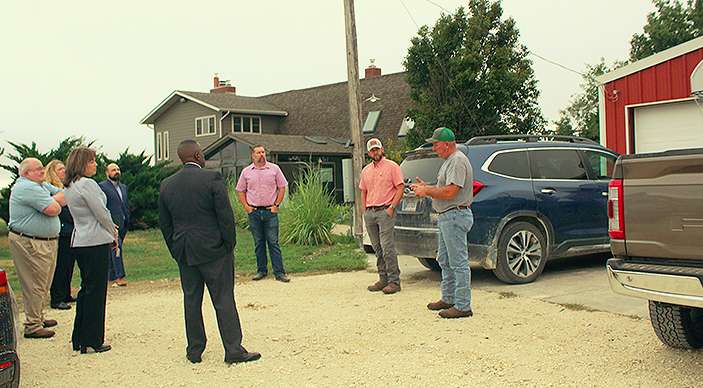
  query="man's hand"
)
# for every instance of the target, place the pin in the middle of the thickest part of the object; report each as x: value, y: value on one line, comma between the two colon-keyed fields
x: 390, y: 211
x: 60, y: 198
x: 420, y: 188
x: 274, y: 209
x: 248, y: 208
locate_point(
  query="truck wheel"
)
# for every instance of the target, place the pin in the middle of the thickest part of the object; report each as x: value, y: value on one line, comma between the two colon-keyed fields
x: 430, y: 264
x: 677, y: 326
x: 522, y: 253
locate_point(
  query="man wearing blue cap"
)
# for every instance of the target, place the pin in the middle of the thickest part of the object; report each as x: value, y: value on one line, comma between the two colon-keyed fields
x: 451, y: 198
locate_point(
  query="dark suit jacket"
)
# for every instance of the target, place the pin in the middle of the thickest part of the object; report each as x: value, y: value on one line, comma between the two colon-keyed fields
x: 195, y: 216
x: 119, y: 208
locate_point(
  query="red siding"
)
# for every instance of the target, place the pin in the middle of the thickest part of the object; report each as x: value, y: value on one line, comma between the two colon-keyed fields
x: 668, y: 80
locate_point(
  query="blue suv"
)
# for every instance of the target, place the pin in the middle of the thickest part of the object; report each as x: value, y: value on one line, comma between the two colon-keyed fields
x: 536, y: 198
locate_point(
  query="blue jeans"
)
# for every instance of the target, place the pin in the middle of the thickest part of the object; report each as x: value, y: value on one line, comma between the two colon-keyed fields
x: 116, y: 264
x: 264, y: 227
x: 453, y: 257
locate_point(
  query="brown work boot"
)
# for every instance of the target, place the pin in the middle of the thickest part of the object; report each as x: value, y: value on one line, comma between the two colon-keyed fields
x: 454, y: 313
x: 41, y: 333
x: 378, y: 286
x: 439, y: 305
x: 49, y: 323
x: 391, y: 288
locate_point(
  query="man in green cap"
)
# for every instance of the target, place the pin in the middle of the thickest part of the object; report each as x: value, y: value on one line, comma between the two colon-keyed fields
x: 451, y: 198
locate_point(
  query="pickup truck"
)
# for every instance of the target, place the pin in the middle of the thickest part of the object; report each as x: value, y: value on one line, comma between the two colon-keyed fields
x: 655, y: 212
x: 9, y: 362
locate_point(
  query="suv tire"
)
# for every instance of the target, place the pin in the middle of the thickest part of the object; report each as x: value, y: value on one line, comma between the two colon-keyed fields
x: 522, y: 253
x: 677, y: 326
x: 431, y: 264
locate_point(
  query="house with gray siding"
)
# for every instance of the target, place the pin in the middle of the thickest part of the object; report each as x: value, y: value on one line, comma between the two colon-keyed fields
x: 298, y: 127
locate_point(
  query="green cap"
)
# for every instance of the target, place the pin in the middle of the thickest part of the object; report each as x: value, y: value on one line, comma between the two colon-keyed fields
x: 441, y: 134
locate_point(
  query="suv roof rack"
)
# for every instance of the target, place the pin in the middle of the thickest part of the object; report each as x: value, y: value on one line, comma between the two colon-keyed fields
x: 527, y: 138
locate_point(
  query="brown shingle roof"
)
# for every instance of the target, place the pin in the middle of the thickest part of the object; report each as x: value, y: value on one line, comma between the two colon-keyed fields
x: 235, y: 103
x: 324, y: 110
x: 288, y: 144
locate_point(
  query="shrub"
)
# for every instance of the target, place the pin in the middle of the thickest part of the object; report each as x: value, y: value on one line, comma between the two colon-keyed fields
x: 240, y: 216
x: 310, y: 213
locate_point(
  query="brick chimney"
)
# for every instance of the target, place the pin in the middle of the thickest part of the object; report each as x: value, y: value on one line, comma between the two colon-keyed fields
x: 372, y: 71
x: 222, y: 86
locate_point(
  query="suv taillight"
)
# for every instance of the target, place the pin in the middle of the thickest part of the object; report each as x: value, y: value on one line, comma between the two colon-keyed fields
x: 3, y: 282
x: 477, y: 187
x: 616, y: 214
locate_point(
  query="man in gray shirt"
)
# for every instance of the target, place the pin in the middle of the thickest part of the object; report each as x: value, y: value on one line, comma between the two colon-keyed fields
x: 34, y: 230
x: 451, y: 198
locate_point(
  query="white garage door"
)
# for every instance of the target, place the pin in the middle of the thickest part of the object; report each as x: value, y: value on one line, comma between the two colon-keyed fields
x: 668, y: 126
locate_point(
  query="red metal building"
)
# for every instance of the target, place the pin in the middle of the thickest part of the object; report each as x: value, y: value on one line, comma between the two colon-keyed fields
x: 654, y: 104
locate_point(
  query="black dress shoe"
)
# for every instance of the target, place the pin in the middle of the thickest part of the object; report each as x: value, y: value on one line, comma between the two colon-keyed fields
x: 70, y: 299
x: 244, y: 357
x: 96, y: 349
x: 282, y: 278
x: 61, y: 306
x: 259, y: 276
x: 194, y: 358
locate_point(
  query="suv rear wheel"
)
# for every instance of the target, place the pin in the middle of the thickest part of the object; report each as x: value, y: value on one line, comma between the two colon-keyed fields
x: 430, y: 264
x: 522, y: 253
x: 677, y: 326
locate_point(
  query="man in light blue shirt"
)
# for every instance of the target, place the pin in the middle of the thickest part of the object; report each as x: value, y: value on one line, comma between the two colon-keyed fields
x: 34, y: 228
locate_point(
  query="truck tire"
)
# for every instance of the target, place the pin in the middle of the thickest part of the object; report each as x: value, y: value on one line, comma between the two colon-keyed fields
x: 522, y: 253
x: 677, y: 326
x: 431, y: 264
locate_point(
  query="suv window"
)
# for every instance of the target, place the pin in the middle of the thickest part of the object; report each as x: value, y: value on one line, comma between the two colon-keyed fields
x: 513, y: 164
x: 601, y: 164
x: 424, y: 166
x: 556, y: 164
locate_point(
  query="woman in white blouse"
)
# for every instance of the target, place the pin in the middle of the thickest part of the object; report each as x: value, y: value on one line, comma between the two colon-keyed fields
x: 94, y: 235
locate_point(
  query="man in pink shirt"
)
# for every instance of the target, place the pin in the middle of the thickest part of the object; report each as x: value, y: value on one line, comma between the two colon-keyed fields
x: 381, y: 187
x: 261, y: 188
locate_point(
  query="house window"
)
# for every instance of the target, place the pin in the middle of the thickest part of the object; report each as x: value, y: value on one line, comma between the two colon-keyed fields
x: 246, y: 124
x: 371, y: 121
x: 158, y: 146
x: 205, y: 126
x: 165, y: 148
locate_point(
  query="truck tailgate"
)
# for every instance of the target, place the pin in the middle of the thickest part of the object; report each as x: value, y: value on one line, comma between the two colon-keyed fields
x: 663, y: 204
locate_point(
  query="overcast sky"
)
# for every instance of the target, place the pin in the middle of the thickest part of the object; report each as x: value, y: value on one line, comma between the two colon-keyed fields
x: 96, y: 68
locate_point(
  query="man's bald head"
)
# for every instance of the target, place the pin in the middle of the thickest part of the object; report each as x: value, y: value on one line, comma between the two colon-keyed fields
x: 113, y: 171
x: 189, y: 151
x: 32, y: 169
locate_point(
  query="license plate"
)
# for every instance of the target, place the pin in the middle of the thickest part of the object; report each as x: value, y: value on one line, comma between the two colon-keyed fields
x: 410, y: 204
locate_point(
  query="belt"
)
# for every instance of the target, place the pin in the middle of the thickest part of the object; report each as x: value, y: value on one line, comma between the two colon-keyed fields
x: 262, y: 207
x: 33, y: 237
x: 382, y: 207
x: 456, y: 208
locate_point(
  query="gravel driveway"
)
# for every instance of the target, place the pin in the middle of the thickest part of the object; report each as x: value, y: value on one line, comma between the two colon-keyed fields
x: 327, y: 330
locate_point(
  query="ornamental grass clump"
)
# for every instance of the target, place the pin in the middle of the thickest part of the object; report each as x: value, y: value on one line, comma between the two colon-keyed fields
x: 240, y: 215
x: 310, y: 214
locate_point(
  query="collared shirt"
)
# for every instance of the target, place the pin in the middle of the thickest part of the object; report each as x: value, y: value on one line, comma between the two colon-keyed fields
x: 261, y: 184
x: 455, y: 170
x: 379, y: 180
x: 116, y: 184
x: 28, y: 200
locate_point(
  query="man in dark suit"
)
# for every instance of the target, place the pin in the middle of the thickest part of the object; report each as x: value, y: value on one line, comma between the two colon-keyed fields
x: 118, y: 204
x: 198, y: 225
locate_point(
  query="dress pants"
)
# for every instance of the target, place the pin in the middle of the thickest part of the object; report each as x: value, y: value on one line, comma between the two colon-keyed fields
x: 89, y: 326
x: 116, y: 266
x: 218, y: 276
x: 65, y: 260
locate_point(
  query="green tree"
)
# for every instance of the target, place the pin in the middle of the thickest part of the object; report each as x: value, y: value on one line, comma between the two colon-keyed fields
x: 580, y: 117
x: 142, y: 178
x: 470, y: 73
x: 672, y: 23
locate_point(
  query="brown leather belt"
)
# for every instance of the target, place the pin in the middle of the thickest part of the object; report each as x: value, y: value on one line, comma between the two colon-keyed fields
x: 33, y: 237
x: 382, y: 207
x: 456, y: 208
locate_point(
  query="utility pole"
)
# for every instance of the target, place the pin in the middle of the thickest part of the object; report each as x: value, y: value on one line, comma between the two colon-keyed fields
x: 354, y: 112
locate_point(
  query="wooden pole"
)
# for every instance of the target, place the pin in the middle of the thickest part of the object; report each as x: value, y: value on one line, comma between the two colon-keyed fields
x: 354, y: 112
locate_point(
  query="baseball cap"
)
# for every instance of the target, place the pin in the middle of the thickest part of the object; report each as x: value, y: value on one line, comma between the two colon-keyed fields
x: 441, y: 134
x: 373, y: 143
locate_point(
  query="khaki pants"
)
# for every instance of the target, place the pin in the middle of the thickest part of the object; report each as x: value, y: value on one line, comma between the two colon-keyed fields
x: 381, y: 233
x: 35, y: 261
